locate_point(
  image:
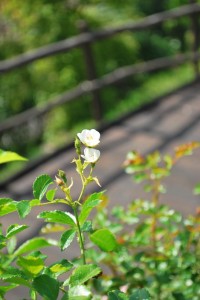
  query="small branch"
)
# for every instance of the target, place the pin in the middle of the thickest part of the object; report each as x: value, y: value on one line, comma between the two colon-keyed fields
x: 81, y: 242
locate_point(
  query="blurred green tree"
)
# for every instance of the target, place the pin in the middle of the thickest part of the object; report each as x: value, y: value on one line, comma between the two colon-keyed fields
x: 26, y: 25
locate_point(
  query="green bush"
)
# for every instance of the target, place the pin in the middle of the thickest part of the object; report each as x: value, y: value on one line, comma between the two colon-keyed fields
x: 145, y: 251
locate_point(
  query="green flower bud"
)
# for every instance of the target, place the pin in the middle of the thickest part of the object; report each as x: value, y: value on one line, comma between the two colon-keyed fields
x: 77, y: 145
x: 62, y: 175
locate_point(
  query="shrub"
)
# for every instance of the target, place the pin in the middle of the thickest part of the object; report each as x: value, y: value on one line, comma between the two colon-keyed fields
x: 148, y: 249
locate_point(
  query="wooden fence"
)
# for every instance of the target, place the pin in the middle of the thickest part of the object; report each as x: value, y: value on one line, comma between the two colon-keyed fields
x: 93, y: 84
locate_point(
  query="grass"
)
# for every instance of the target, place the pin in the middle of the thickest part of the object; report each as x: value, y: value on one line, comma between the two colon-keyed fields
x: 155, y: 86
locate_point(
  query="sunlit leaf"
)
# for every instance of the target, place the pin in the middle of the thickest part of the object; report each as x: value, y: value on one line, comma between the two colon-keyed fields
x: 87, y: 227
x: 23, y: 208
x: 154, y: 159
x: 92, y: 201
x: 11, y: 244
x: 168, y: 161
x: 40, y: 186
x: 8, y: 156
x: 14, y: 229
x: 33, y: 245
x: 58, y: 216
x: 83, y: 273
x: 67, y: 238
x: 79, y: 292
x: 7, y: 206
x: 61, y: 267
x: 104, y: 239
x: 33, y: 265
x: 50, y: 194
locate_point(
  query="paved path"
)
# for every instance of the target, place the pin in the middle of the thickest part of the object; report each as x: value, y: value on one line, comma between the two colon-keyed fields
x: 175, y: 120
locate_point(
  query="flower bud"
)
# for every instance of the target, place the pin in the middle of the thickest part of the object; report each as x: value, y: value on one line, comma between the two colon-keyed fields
x: 62, y: 175
x: 59, y: 181
x: 77, y: 145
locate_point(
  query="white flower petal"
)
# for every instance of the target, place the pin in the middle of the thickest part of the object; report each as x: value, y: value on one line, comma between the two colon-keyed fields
x: 89, y: 138
x: 91, y: 155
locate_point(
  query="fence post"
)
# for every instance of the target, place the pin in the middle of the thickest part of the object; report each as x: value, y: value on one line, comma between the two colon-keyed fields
x: 91, y: 72
x: 196, y: 37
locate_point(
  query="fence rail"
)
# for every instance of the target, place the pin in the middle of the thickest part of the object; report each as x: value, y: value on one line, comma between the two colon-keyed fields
x: 90, y: 37
x: 93, y: 85
x: 97, y: 84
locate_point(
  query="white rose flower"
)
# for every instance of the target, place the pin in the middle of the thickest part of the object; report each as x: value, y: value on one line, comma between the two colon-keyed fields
x: 89, y: 138
x: 91, y: 155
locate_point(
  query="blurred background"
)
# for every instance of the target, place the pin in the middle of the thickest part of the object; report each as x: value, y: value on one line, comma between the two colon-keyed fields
x: 27, y: 25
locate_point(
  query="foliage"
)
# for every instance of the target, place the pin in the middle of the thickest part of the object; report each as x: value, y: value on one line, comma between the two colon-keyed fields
x: 158, y: 248
x: 8, y: 156
x: 152, y: 252
x: 43, y: 22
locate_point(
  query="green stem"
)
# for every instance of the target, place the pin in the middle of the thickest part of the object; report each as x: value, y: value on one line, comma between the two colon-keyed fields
x: 82, y: 192
x: 83, y: 183
x: 33, y: 295
x: 155, y: 200
x: 81, y: 243
x: 62, y: 289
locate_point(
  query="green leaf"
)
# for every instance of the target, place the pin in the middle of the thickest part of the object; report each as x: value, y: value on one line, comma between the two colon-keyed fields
x: 50, y: 194
x: 7, y: 206
x: 40, y: 186
x: 92, y: 201
x: 12, y: 272
x: 169, y: 161
x: 38, y: 254
x: 5, y: 289
x: 104, y: 239
x: 8, y: 156
x: 197, y: 189
x: 61, y: 267
x: 14, y: 229
x: 11, y: 244
x: 87, y: 227
x: 33, y: 265
x: 34, y: 202
x: 79, y: 292
x: 14, y: 275
x: 46, y: 286
x: 140, y: 294
x: 19, y: 281
x: 58, y: 216
x: 67, y: 238
x: 83, y: 273
x: 23, y: 208
x: 139, y: 177
x: 33, y: 245
x: 117, y: 295
x: 2, y: 241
